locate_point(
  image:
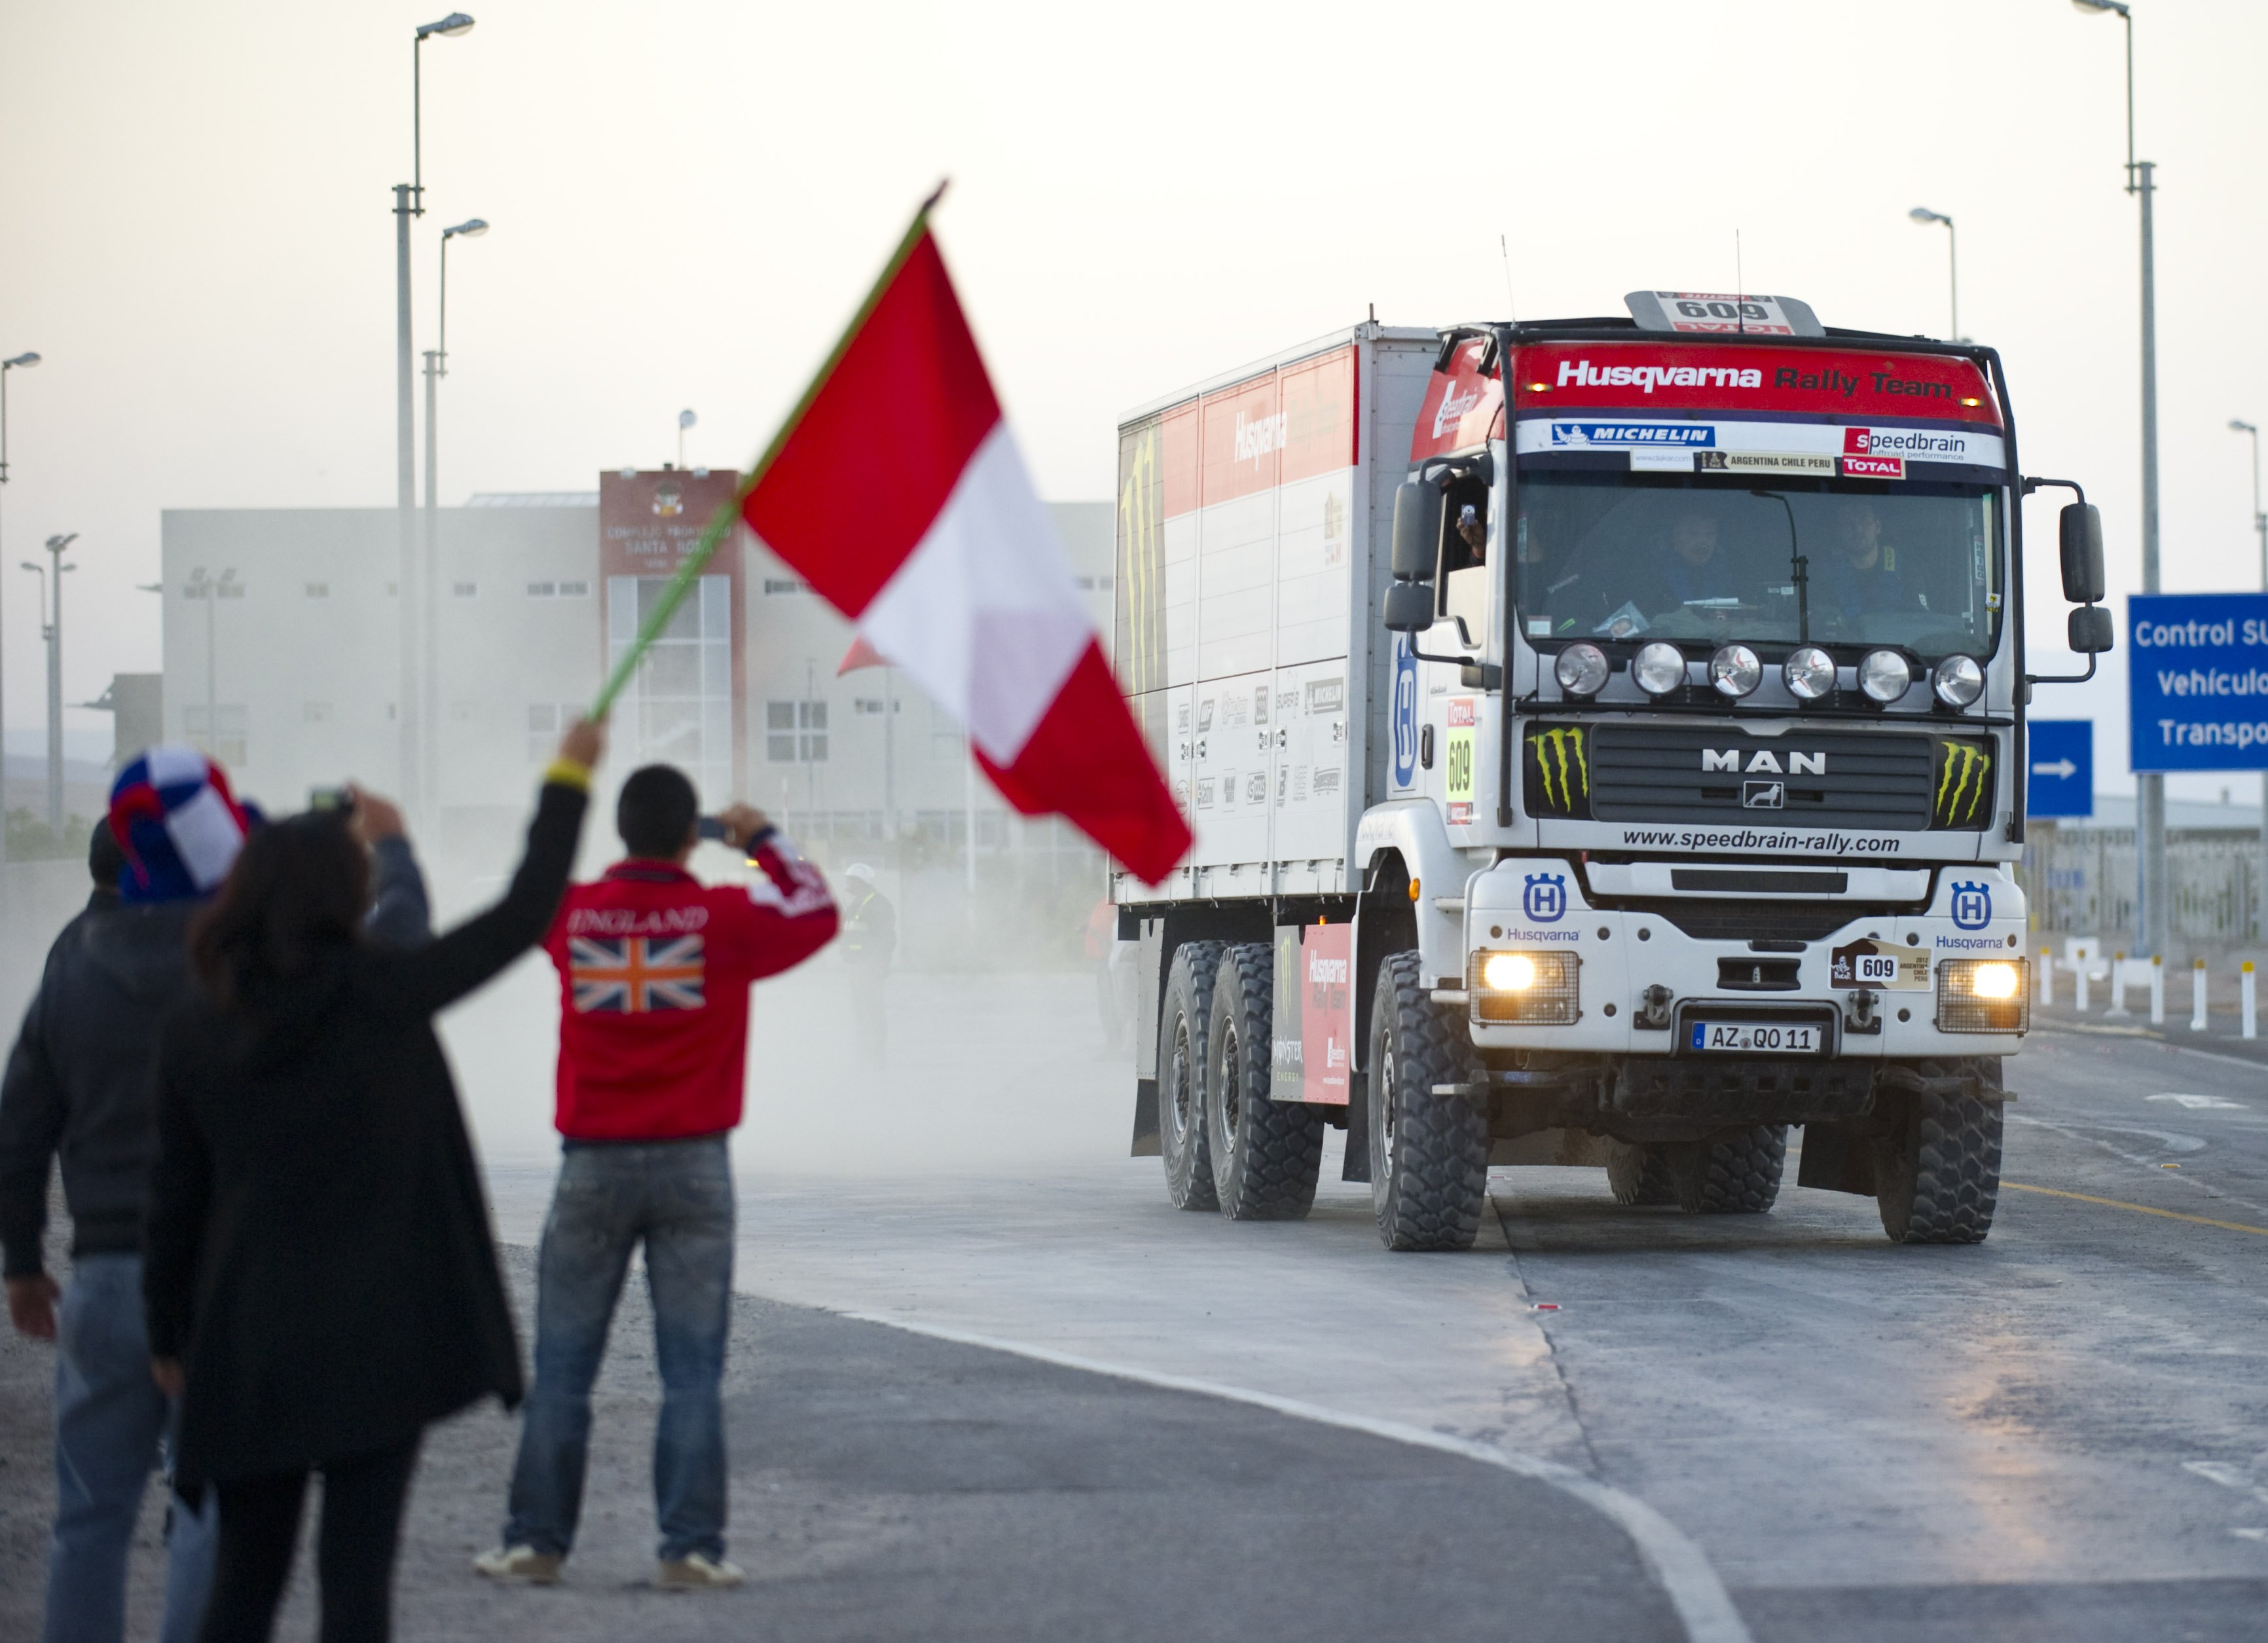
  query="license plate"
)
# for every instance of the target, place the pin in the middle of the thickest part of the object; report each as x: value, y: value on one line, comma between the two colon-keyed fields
x: 1757, y: 1038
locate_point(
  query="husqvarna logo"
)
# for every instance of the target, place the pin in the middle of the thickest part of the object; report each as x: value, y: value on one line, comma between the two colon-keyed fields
x: 1972, y: 905
x: 1545, y: 900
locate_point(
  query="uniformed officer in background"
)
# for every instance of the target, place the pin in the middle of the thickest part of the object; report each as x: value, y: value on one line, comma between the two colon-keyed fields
x: 870, y: 937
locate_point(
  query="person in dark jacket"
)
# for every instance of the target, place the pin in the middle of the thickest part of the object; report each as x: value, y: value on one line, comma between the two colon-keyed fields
x: 78, y: 1085
x: 870, y: 938
x: 319, y: 1277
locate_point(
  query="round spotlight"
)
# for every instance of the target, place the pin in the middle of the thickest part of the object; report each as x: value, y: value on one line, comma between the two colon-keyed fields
x: 1884, y: 675
x: 1809, y: 673
x: 1508, y: 972
x: 1659, y: 669
x: 1959, y: 680
x: 1993, y: 980
x: 1581, y: 669
x: 1736, y: 671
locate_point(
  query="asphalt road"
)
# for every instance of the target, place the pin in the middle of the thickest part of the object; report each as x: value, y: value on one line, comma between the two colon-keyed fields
x: 2061, y: 1433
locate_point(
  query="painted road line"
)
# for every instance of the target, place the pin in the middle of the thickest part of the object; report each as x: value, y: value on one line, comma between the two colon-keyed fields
x: 1704, y: 1607
x: 2140, y: 1209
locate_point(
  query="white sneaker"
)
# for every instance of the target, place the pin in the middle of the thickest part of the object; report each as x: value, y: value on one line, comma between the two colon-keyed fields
x: 522, y: 1563
x: 697, y: 1571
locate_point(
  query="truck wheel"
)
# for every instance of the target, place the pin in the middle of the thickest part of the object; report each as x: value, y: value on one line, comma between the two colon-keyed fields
x: 1734, y: 1173
x: 1265, y: 1153
x: 1181, y: 1026
x: 1937, y: 1168
x: 1638, y: 1174
x: 1428, y: 1152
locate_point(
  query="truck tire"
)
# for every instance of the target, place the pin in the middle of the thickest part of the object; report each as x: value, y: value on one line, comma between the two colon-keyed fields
x: 1182, y: 1028
x: 1428, y: 1152
x: 1638, y: 1174
x: 1265, y: 1153
x: 1736, y: 1172
x: 1937, y: 1164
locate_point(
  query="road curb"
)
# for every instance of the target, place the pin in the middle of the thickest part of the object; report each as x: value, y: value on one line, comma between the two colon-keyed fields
x: 1704, y: 1607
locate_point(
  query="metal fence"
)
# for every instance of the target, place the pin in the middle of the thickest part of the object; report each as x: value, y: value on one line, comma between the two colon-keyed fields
x: 2080, y: 880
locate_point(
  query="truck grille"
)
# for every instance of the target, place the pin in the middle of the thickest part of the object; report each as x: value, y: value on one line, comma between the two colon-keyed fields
x: 1804, y: 778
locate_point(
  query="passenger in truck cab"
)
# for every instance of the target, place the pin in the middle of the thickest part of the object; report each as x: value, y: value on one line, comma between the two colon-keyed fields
x: 1473, y: 532
x: 1858, y: 575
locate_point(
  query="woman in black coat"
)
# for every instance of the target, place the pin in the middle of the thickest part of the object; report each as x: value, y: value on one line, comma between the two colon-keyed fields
x: 319, y: 1276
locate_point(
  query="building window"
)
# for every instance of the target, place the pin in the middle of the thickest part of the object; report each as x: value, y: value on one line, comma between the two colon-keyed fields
x: 871, y: 707
x: 795, y: 733
x: 574, y: 590
x: 547, y: 722
x: 465, y: 590
x: 544, y: 590
x: 785, y: 585
x: 226, y: 743
x: 319, y: 590
x: 317, y: 712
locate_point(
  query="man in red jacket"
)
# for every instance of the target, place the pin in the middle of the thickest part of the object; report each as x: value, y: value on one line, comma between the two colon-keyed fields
x: 654, y: 970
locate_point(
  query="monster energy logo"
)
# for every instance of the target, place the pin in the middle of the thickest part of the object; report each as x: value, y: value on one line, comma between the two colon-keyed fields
x: 1563, y: 768
x: 1962, y: 769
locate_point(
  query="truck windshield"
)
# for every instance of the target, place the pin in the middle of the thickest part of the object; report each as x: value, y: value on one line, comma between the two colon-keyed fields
x: 1833, y: 561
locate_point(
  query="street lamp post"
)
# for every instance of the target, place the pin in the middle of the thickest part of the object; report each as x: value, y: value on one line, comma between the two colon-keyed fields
x: 2152, y: 924
x: 51, y: 630
x: 21, y: 362
x: 436, y: 366
x: 1922, y: 214
x: 2237, y: 424
x: 409, y: 202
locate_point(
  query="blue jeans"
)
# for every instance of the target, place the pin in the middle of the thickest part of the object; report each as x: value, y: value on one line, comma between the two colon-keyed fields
x: 675, y: 1197
x: 111, y: 1425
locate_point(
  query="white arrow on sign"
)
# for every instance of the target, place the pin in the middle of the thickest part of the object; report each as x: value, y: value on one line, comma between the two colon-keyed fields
x: 2063, y: 769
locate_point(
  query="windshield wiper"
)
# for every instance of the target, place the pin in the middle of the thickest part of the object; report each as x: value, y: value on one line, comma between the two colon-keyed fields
x: 1803, y: 565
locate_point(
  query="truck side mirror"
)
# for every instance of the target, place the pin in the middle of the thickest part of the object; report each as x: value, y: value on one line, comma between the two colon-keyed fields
x: 2083, y: 582
x: 2089, y: 631
x: 1408, y: 605
x: 1416, y: 535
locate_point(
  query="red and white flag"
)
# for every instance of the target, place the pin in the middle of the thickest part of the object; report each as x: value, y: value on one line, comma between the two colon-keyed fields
x: 896, y: 489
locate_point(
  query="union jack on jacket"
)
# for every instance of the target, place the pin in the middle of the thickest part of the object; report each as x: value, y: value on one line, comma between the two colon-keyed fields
x: 654, y: 971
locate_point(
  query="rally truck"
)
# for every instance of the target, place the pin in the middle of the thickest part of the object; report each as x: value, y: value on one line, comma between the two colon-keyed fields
x: 1603, y: 740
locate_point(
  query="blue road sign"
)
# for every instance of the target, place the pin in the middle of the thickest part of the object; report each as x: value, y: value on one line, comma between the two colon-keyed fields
x: 2197, y: 673
x: 2060, y: 781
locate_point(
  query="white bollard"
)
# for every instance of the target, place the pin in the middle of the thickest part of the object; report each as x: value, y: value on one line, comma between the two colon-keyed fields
x: 2079, y: 975
x: 2157, y: 991
x: 2047, y: 977
x: 2247, y: 999
x: 2197, y: 995
x: 2118, y: 986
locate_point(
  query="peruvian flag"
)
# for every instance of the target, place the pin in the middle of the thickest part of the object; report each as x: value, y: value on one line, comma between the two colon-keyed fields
x: 896, y: 489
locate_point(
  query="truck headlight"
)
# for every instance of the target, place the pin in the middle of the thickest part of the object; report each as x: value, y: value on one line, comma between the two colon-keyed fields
x: 1581, y: 669
x: 1885, y: 676
x: 1960, y: 681
x: 1982, y: 995
x: 1534, y: 988
x: 1736, y: 671
x: 1809, y: 671
x: 1659, y: 669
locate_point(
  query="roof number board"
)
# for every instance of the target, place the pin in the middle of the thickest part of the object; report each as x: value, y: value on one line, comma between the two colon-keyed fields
x: 1720, y: 314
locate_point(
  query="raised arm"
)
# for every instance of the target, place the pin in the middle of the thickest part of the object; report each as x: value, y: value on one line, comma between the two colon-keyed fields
x: 399, y: 915
x: 436, y: 975
x: 790, y: 915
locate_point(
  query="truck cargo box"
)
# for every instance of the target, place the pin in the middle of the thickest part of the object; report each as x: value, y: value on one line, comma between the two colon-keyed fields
x: 1253, y: 515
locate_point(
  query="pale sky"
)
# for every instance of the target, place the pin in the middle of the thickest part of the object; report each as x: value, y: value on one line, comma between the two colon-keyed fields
x: 689, y: 198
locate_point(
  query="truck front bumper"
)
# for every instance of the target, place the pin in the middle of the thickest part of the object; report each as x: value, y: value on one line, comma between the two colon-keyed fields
x: 1947, y: 979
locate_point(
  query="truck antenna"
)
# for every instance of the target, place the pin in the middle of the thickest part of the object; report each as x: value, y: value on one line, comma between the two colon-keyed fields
x: 1510, y: 303
x: 1740, y: 287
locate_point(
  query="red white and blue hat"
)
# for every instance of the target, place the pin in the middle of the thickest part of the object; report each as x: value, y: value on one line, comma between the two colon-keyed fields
x: 172, y: 812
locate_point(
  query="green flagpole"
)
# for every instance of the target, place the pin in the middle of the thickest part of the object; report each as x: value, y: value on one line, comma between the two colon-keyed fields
x: 681, y: 584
